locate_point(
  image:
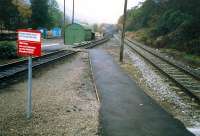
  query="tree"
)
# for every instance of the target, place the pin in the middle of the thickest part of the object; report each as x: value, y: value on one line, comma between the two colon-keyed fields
x: 24, y: 12
x: 170, y: 22
x: 8, y: 15
x: 40, y: 16
x: 56, y: 16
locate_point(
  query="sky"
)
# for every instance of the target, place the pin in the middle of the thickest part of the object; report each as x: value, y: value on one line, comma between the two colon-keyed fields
x: 97, y: 11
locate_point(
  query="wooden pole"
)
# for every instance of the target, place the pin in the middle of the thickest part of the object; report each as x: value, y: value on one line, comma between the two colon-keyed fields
x: 123, y: 33
x: 64, y: 23
x: 73, y: 13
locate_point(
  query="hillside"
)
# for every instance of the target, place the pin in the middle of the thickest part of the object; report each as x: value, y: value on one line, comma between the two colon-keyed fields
x: 173, y: 24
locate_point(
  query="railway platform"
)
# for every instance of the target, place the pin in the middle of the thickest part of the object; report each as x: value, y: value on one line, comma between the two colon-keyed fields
x: 125, y: 109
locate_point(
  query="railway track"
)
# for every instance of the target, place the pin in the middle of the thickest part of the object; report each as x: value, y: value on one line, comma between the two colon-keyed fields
x: 9, y: 70
x: 91, y: 44
x: 186, y: 79
x: 12, y: 69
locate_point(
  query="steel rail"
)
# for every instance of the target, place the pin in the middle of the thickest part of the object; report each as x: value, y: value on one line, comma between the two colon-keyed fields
x: 186, y: 81
x: 91, y: 44
x: 168, y: 60
x: 12, y: 69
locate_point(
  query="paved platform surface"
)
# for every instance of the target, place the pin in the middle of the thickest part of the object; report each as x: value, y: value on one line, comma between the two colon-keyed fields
x: 125, y: 109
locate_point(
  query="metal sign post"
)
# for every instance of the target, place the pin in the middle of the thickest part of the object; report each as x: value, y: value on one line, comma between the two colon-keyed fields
x: 29, y: 93
x: 28, y: 45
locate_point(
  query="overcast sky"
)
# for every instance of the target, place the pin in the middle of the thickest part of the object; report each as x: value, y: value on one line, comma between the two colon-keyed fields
x: 97, y: 11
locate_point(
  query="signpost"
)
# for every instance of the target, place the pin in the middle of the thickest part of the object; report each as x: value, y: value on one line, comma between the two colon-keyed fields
x: 28, y: 45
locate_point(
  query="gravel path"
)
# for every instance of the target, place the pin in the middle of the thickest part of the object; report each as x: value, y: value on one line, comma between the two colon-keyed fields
x: 64, y: 102
x: 161, y: 89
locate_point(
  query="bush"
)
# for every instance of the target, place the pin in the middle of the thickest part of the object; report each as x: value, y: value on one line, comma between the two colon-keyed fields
x: 8, y: 50
x: 161, y: 42
x: 170, y: 21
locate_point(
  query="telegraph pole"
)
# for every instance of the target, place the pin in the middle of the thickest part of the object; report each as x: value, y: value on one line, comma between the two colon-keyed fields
x: 123, y: 33
x: 73, y: 13
x: 64, y: 23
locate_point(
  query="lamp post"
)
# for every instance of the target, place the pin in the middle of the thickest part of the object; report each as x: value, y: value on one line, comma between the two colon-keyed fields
x: 64, y: 23
x: 123, y: 33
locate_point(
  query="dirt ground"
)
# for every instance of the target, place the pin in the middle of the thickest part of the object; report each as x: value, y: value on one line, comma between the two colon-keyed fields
x: 64, y: 102
x: 157, y: 86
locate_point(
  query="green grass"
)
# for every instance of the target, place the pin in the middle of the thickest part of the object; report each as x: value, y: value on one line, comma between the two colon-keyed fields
x: 192, y: 58
x: 189, y: 59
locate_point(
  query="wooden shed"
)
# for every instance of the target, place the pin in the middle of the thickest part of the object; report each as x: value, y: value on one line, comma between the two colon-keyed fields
x: 76, y: 33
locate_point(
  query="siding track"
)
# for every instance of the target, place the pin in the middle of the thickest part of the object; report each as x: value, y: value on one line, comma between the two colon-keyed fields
x: 9, y: 70
x: 12, y: 69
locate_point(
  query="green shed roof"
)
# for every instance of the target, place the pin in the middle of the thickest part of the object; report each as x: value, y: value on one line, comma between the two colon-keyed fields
x: 74, y: 24
x: 85, y: 26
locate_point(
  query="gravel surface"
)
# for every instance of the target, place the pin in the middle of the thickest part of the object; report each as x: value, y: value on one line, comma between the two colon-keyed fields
x: 64, y: 102
x: 160, y: 88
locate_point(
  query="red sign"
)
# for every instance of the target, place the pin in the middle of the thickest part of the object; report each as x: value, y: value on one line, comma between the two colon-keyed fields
x: 29, y: 43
